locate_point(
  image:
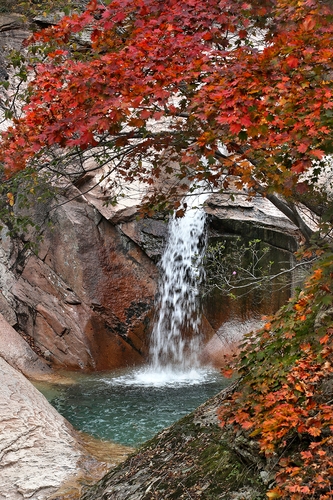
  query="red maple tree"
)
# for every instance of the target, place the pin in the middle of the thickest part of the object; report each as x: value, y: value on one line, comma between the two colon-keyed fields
x: 174, y: 81
x: 218, y: 88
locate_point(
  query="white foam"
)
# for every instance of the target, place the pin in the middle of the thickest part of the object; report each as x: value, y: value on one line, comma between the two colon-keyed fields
x: 148, y: 377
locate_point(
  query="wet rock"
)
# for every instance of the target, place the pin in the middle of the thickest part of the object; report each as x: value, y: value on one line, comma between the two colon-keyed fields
x: 232, y: 213
x: 13, y: 31
x: 86, y: 298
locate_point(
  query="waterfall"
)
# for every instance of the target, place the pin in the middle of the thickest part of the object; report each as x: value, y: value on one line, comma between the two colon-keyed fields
x: 175, y: 340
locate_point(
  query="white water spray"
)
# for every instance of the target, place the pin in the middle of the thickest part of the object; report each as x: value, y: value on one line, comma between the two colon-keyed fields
x: 175, y: 339
x: 175, y: 343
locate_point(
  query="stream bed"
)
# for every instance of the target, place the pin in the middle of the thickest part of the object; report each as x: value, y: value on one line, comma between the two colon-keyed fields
x: 130, y: 406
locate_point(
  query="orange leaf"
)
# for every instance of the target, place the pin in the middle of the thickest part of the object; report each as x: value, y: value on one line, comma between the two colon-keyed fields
x: 292, y: 62
x: 317, y: 274
x: 227, y: 372
x: 10, y: 198
x: 318, y: 153
x: 309, y: 23
x: 273, y: 494
x: 289, y: 335
x: 302, y: 147
x: 314, y: 431
x: 247, y: 425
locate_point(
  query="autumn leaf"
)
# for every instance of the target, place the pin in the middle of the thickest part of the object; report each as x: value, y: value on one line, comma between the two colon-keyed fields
x: 309, y: 23
x: 314, y: 431
x: 227, y: 372
x: 317, y: 274
x: 302, y: 148
x: 292, y: 61
x: 247, y: 425
x: 273, y: 494
x: 324, y: 339
x: 318, y: 153
x: 10, y: 198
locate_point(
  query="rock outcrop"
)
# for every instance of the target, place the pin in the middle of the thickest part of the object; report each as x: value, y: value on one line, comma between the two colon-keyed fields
x: 38, y: 451
x: 13, y: 31
x: 85, y: 296
x: 233, y: 213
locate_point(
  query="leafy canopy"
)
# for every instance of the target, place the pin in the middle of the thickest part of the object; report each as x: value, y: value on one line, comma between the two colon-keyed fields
x: 172, y: 81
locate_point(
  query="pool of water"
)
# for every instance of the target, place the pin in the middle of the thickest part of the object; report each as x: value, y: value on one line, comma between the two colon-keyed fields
x: 130, y: 407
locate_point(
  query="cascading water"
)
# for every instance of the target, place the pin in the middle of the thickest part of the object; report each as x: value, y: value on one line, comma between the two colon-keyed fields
x: 175, y: 340
x: 175, y: 343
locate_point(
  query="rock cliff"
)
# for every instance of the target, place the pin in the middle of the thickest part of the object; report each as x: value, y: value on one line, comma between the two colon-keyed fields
x: 85, y: 296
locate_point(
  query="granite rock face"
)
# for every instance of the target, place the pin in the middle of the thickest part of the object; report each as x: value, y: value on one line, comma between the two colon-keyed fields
x: 38, y: 452
x: 13, y: 31
x: 86, y: 296
x: 18, y: 354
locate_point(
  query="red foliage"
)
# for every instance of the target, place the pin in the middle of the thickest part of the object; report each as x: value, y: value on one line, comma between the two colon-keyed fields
x: 285, y: 403
x: 255, y: 76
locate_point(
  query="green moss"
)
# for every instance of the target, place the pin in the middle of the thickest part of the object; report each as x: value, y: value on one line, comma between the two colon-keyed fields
x: 31, y: 8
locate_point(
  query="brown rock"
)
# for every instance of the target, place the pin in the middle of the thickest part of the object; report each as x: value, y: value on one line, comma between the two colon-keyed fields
x: 87, y: 298
x: 13, y: 31
x: 41, y: 456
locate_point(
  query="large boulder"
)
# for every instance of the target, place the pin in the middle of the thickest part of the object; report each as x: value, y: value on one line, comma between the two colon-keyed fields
x: 38, y: 450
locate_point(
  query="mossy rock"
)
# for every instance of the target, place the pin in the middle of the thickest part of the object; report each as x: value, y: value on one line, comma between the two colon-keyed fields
x: 30, y: 8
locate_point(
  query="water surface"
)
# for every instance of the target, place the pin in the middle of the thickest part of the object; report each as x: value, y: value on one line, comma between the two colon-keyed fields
x: 130, y: 407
